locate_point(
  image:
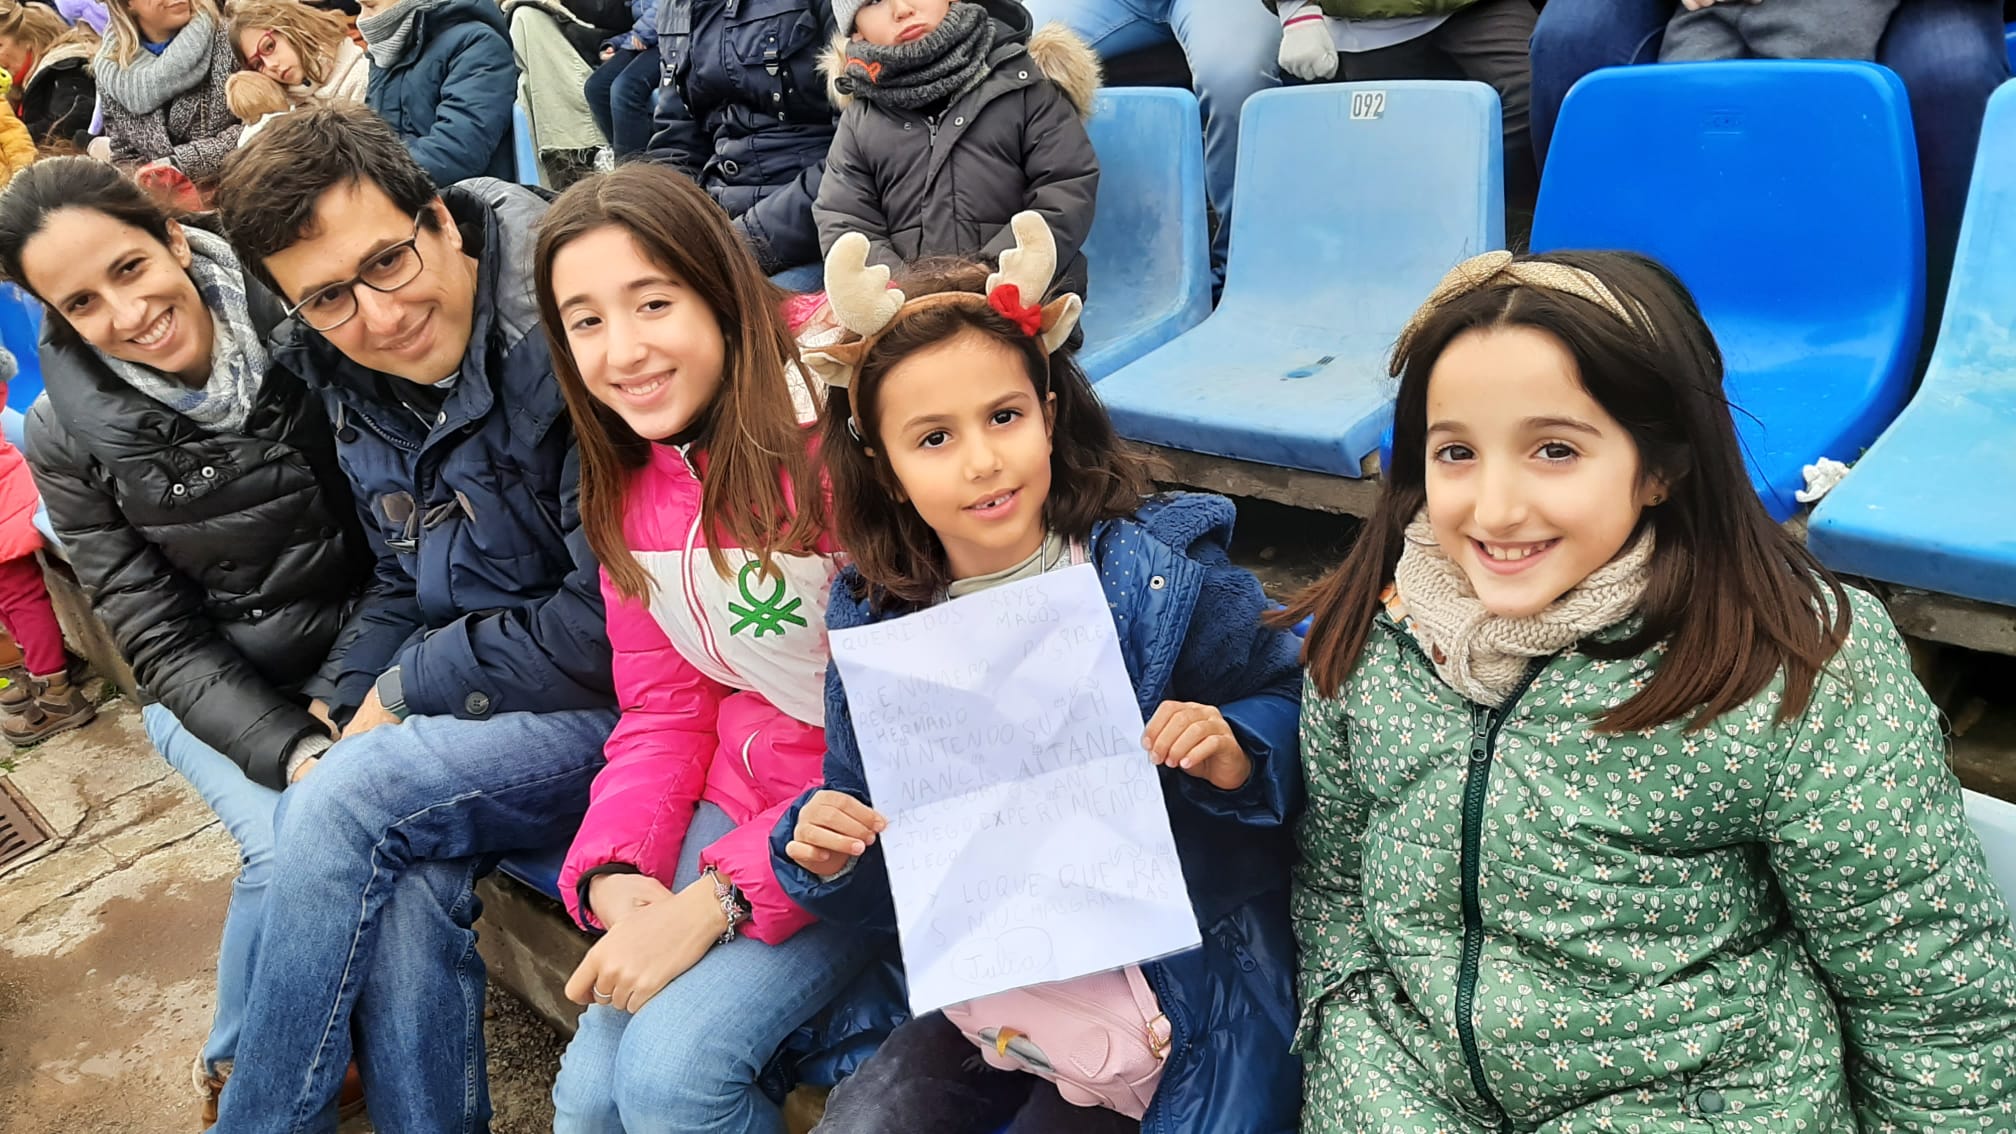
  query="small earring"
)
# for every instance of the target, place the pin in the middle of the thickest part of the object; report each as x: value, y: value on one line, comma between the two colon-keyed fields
x: 854, y: 431
x: 1657, y: 499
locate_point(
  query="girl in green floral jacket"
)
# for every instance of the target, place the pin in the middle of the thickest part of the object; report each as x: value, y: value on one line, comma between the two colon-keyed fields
x: 1624, y: 815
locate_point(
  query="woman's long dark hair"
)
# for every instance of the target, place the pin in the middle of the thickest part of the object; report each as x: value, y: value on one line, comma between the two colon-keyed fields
x: 755, y: 448
x: 1094, y: 475
x: 53, y: 184
x: 1736, y: 600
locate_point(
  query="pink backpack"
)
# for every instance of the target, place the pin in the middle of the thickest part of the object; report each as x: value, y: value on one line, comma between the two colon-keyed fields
x: 1101, y: 1038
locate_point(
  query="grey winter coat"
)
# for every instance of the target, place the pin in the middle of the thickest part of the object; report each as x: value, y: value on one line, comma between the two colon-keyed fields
x: 918, y: 186
x: 195, y: 130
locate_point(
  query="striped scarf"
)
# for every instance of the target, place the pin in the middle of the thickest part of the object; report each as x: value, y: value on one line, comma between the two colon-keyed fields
x: 237, y: 354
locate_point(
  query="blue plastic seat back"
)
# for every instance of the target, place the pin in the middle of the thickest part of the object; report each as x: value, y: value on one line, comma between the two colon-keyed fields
x: 1354, y: 200
x: 21, y: 334
x: 1149, y: 249
x: 524, y: 150
x: 1786, y: 197
x: 1995, y: 821
x: 1929, y: 504
x: 539, y: 869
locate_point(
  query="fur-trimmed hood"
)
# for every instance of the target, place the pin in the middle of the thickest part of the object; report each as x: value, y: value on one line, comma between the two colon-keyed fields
x: 63, y: 52
x: 1063, y: 58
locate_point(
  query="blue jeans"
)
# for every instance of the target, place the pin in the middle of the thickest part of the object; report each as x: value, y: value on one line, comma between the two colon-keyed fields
x: 247, y: 811
x: 1950, y: 54
x: 686, y: 1063
x: 619, y: 96
x: 803, y: 278
x: 1231, y: 46
x: 372, y: 928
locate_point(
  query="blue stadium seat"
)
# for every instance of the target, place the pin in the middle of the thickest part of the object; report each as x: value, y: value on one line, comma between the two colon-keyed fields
x: 21, y: 334
x: 523, y: 149
x: 1149, y: 251
x: 1929, y: 505
x: 1786, y: 196
x: 1995, y: 821
x: 538, y: 869
x: 1354, y: 200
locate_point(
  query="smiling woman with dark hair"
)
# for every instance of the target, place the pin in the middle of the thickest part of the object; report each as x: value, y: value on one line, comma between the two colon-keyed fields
x: 197, y: 495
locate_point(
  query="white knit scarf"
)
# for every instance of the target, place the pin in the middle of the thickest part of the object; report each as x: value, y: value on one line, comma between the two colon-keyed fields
x: 1484, y: 656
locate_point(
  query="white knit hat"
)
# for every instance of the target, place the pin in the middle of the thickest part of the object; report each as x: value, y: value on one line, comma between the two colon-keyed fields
x: 843, y: 14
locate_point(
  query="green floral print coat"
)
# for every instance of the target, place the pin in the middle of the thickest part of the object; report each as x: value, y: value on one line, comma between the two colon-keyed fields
x: 1511, y: 922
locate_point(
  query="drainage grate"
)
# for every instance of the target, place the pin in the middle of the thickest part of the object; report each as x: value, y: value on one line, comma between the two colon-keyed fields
x: 21, y: 828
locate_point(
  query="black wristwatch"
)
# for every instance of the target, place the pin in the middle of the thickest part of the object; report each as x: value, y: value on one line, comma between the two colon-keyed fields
x: 392, y: 692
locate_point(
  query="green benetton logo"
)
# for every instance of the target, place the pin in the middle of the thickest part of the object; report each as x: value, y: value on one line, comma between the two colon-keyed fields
x: 769, y: 614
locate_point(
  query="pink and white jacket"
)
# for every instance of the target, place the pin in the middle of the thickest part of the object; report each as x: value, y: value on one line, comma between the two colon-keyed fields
x: 722, y: 685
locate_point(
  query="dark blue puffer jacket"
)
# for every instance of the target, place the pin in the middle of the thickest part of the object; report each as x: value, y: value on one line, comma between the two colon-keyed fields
x: 1189, y: 624
x: 742, y: 110
x: 486, y: 595
x: 450, y: 92
x: 643, y: 27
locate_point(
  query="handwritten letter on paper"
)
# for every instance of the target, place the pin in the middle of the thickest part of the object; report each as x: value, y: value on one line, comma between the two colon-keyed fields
x: 1027, y: 838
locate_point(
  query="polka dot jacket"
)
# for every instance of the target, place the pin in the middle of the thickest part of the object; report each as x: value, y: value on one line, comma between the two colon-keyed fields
x: 1511, y: 922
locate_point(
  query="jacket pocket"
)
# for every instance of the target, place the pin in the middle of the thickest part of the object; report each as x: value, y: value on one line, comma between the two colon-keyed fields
x: 1320, y: 992
x: 764, y: 38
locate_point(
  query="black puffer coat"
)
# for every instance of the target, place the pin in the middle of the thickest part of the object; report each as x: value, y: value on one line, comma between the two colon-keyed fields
x: 56, y: 104
x: 224, y: 564
x: 742, y: 110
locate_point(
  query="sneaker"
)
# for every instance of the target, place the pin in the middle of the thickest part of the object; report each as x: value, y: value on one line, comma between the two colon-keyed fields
x: 56, y: 706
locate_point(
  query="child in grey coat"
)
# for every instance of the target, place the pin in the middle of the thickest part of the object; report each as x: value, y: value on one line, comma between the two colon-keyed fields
x: 1776, y: 29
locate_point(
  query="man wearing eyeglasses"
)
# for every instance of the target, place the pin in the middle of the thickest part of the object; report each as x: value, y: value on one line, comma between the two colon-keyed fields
x: 473, y: 685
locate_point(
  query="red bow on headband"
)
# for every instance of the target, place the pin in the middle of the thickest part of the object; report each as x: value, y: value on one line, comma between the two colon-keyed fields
x: 1007, y: 299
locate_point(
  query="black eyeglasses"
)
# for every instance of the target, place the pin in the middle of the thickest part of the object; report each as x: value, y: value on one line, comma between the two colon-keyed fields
x: 386, y: 271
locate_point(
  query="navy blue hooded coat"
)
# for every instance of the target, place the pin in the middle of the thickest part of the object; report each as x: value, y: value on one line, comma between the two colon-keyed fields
x: 1189, y: 624
x: 449, y: 94
x: 486, y: 595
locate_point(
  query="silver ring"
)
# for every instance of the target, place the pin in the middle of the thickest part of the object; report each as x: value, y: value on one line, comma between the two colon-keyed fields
x: 602, y: 997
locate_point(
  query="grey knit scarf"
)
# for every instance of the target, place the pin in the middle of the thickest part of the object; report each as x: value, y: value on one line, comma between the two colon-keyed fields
x: 149, y: 81
x: 933, y: 70
x: 237, y: 356
x: 386, y: 33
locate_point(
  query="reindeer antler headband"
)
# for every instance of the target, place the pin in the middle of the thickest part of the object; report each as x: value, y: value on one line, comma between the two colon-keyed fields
x: 865, y: 304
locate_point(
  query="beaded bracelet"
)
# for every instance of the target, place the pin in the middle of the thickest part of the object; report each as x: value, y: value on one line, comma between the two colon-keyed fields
x: 731, y: 901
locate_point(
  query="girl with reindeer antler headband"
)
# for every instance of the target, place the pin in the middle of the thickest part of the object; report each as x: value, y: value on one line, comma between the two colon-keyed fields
x: 965, y: 450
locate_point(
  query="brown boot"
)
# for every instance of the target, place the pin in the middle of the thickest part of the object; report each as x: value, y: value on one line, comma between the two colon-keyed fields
x: 57, y: 706
x: 350, y: 1099
x: 210, y: 1085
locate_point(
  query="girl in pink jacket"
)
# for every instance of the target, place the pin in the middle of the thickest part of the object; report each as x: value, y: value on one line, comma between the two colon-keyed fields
x: 679, y: 365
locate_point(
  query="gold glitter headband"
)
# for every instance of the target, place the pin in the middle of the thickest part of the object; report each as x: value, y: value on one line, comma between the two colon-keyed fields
x: 1494, y: 267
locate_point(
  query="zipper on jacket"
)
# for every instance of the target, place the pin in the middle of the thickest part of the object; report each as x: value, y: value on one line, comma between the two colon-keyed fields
x: 1155, y: 1120
x: 1484, y: 726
